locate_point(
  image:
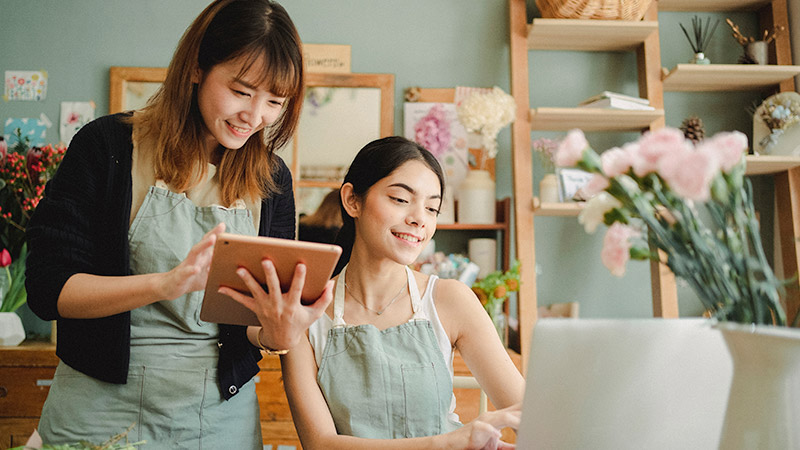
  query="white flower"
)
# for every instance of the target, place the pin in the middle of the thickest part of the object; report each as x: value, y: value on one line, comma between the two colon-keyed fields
x: 592, y: 215
x: 487, y: 113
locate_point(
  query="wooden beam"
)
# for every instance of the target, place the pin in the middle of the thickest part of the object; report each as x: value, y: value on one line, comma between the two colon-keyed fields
x: 522, y: 174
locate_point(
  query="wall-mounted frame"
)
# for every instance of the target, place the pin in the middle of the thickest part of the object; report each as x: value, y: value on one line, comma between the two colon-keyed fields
x: 342, y: 113
x: 130, y: 87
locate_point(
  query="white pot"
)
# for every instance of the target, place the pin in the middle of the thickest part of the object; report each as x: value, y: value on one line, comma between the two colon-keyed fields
x: 11, y: 331
x: 764, y: 403
x: 476, y: 199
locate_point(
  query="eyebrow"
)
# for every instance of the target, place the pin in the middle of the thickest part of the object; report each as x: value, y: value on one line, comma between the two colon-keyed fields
x: 411, y: 190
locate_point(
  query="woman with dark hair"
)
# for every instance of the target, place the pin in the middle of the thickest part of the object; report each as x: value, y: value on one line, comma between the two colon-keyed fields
x: 121, y: 243
x: 376, y: 370
x: 323, y: 224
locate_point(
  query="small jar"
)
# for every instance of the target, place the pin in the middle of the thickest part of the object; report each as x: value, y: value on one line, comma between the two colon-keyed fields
x: 548, y: 189
x: 476, y: 198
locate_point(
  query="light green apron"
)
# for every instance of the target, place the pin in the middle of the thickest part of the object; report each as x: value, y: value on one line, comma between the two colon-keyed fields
x: 172, y: 393
x: 385, y: 384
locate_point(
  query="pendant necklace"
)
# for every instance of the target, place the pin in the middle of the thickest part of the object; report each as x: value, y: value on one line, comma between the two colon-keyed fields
x: 370, y: 309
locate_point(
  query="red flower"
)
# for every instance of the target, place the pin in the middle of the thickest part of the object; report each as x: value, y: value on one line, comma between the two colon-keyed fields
x: 5, y: 258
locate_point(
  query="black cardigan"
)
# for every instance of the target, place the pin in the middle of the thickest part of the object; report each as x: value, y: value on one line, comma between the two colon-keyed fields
x: 81, y: 226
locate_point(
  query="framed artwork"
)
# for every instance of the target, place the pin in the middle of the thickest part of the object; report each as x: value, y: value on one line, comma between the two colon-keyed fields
x: 570, y: 181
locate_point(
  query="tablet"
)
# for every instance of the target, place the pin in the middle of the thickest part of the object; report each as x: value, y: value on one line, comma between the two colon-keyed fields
x: 232, y: 251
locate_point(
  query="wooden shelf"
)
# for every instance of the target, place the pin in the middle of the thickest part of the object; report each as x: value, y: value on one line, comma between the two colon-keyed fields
x: 727, y: 77
x: 560, y: 209
x: 588, y: 35
x: 764, y: 165
x: 711, y: 5
x: 471, y: 226
x: 592, y: 119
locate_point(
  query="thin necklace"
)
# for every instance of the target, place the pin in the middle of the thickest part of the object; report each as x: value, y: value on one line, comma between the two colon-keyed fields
x: 370, y: 309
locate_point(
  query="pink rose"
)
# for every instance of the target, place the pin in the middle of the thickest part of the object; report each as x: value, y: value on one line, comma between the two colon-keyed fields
x: 616, y: 161
x: 654, y: 145
x: 616, y: 248
x: 689, y: 173
x: 571, y: 148
x: 728, y: 146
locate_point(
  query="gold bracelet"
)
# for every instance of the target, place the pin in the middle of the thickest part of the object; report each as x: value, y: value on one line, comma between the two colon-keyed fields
x: 267, y: 350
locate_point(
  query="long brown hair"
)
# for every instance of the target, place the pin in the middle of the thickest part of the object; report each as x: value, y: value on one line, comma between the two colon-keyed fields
x: 261, y: 34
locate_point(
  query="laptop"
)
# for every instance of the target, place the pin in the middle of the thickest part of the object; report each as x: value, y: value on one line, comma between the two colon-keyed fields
x: 625, y: 384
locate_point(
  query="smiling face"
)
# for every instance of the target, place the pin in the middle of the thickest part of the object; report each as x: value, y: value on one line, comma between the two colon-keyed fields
x: 397, y: 217
x: 233, y: 105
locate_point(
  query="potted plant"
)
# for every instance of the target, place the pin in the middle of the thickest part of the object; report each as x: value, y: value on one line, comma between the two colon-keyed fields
x: 24, y: 171
x: 651, y: 193
x: 493, y: 291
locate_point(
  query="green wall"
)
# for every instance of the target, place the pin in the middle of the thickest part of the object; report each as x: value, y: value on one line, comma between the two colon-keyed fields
x: 427, y: 43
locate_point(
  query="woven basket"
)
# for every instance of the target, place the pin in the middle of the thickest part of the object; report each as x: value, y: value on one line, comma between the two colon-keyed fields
x: 593, y: 9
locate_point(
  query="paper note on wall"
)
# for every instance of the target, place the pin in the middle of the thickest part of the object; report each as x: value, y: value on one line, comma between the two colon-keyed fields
x: 25, y: 85
x: 34, y: 130
x: 74, y: 115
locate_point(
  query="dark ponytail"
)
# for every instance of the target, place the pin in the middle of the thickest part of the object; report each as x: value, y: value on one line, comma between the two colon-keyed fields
x: 373, y: 163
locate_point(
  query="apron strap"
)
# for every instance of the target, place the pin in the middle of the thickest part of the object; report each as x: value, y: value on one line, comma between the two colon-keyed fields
x: 338, y: 301
x: 416, y: 300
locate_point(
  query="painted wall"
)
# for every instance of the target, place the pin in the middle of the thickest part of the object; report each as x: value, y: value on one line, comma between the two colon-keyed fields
x: 427, y: 43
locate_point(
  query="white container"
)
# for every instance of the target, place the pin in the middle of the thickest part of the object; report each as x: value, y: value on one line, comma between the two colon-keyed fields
x: 447, y: 214
x: 483, y: 252
x: 548, y: 189
x: 476, y: 199
x: 11, y: 331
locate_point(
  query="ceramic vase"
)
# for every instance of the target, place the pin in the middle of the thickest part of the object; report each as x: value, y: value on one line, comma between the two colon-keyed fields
x: 700, y: 58
x: 763, y: 409
x: 476, y: 199
x: 11, y: 331
x: 548, y: 189
x: 757, y: 51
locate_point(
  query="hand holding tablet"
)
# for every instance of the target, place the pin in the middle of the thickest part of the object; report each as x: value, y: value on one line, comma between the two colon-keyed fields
x: 234, y: 251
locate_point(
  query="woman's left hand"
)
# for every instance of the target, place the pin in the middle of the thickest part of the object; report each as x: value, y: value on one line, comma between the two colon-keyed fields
x: 284, y: 319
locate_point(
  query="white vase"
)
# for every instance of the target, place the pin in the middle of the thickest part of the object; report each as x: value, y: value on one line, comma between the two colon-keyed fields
x: 11, y: 331
x: 764, y: 403
x: 476, y: 199
x: 548, y: 189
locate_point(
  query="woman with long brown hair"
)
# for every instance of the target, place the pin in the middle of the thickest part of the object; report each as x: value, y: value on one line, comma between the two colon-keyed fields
x: 121, y: 243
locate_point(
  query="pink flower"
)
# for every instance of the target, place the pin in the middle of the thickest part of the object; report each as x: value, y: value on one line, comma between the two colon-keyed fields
x: 33, y: 160
x: 654, y: 145
x: 728, y: 146
x: 689, y: 173
x: 616, y: 161
x: 5, y: 258
x: 616, y: 248
x: 73, y: 118
x: 596, y: 185
x: 433, y: 131
x: 570, y: 150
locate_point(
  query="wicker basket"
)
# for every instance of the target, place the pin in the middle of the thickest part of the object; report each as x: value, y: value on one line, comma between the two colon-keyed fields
x: 593, y: 9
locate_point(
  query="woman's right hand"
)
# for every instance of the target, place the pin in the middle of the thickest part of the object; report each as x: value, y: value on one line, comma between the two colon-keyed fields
x: 283, y: 318
x: 483, y: 433
x: 192, y: 273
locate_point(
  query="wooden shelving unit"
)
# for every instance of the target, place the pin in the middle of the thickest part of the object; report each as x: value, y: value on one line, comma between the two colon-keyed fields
x: 641, y: 37
x: 727, y: 77
x: 593, y: 119
x: 576, y: 35
x: 559, y: 209
x: 588, y: 35
x: 770, y: 165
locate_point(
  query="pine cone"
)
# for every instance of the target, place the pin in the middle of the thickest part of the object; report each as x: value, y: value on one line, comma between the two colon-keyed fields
x: 692, y: 128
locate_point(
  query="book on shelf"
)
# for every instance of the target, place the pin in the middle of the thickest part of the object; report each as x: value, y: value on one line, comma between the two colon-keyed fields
x: 616, y: 103
x: 609, y: 94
